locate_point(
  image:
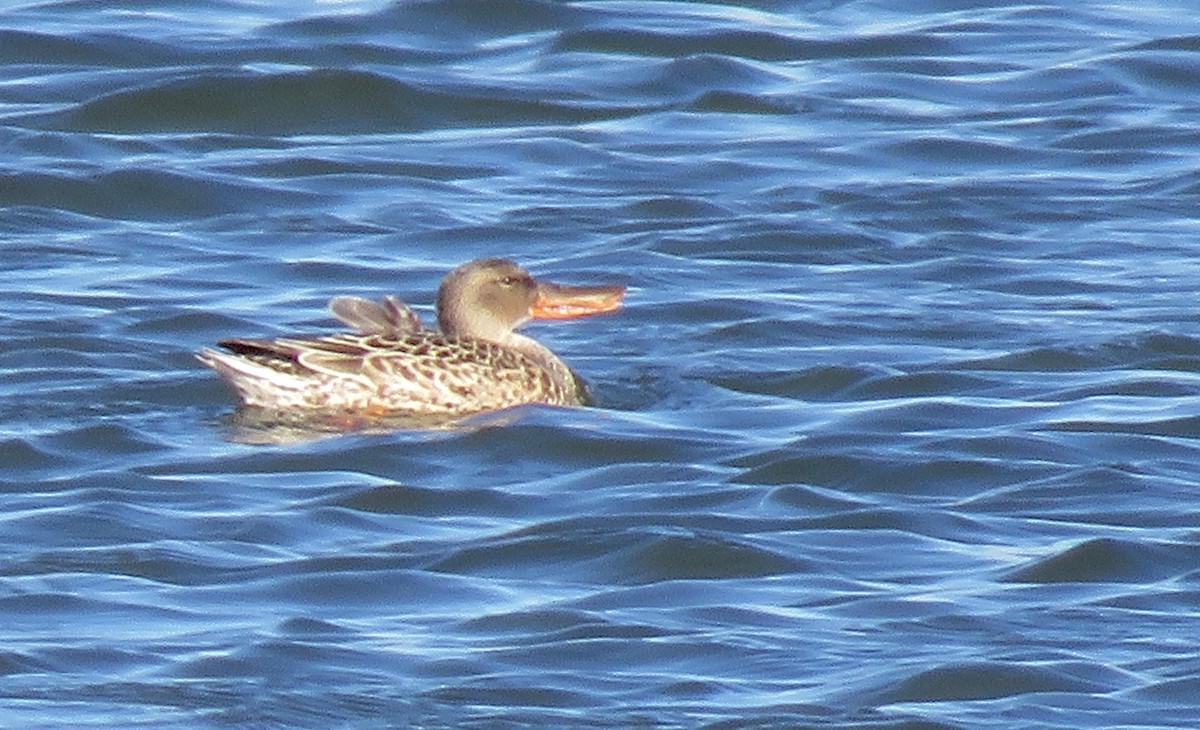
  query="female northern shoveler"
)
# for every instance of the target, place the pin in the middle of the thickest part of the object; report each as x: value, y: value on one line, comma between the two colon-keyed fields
x: 394, y: 365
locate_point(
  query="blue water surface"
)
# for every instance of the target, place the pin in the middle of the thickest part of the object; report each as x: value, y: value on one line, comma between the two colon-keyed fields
x: 900, y: 426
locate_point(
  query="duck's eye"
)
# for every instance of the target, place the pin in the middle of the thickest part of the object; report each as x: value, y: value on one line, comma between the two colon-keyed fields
x: 509, y: 281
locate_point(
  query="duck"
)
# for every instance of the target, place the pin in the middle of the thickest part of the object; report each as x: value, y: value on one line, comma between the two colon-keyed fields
x: 392, y: 364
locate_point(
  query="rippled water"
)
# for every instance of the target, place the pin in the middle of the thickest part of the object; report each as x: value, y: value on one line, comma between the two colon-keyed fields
x: 899, y: 428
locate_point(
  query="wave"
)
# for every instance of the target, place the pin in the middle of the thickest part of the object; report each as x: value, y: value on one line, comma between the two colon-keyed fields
x: 320, y: 101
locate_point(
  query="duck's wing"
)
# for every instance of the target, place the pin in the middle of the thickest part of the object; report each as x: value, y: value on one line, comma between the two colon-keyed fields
x: 389, y: 318
x: 337, y: 355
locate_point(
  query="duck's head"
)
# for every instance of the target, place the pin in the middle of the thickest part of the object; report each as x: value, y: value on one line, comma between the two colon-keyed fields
x: 489, y: 298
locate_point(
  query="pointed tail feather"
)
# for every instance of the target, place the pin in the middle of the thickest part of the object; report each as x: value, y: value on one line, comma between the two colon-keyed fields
x: 256, y: 384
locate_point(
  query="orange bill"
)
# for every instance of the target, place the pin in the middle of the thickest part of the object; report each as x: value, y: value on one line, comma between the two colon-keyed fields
x: 555, y: 301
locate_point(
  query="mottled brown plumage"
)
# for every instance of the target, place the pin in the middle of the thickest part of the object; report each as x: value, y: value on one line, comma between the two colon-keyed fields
x: 394, y: 365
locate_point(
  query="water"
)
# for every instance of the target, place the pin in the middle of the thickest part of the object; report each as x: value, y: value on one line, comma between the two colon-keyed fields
x: 899, y: 428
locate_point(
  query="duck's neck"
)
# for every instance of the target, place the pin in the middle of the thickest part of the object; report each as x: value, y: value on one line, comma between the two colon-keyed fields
x: 559, y: 370
x: 538, y: 351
